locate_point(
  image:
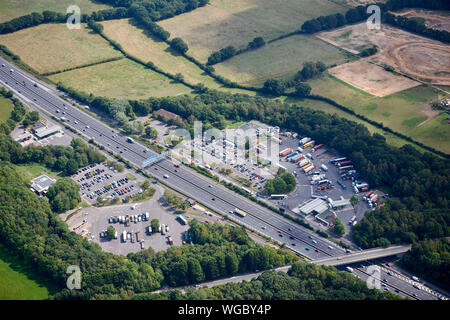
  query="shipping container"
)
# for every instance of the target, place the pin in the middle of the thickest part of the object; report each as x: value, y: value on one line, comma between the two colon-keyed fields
x: 318, y: 147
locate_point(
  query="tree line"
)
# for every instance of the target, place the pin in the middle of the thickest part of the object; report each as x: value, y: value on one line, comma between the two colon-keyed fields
x: 230, y: 51
x: 429, y: 259
x: 303, y: 281
x: 359, y: 14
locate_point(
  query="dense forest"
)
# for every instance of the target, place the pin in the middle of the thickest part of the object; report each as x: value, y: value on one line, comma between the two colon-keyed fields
x: 304, y: 281
x: 430, y: 259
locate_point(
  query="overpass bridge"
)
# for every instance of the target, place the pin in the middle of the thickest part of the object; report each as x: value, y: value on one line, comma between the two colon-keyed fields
x: 359, y: 256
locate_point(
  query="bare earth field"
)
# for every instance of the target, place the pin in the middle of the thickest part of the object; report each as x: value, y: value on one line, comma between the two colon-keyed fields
x: 145, y: 47
x: 54, y: 47
x: 10, y: 9
x: 279, y: 59
x: 236, y: 22
x: 439, y: 20
x: 372, y: 78
x: 423, y: 58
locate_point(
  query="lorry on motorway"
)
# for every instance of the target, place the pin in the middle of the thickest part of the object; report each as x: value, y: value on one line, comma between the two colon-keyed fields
x: 285, y: 152
x: 130, y: 140
x: 240, y: 212
x: 63, y: 119
x: 349, y: 269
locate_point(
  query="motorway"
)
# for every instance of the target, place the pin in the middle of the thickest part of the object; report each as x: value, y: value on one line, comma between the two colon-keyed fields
x: 205, y: 191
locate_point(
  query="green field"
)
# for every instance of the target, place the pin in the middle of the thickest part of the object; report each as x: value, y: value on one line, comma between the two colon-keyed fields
x: 280, y: 59
x: 142, y: 45
x: 407, y: 112
x: 236, y: 22
x: 31, y: 171
x: 54, y: 47
x: 120, y: 79
x: 6, y: 107
x: 10, y: 9
x: 325, y: 107
x: 19, y: 282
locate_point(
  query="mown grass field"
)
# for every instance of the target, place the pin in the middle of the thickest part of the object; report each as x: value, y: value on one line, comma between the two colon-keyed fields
x: 120, y: 79
x: 236, y: 22
x: 407, y: 112
x: 144, y: 46
x: 279, y: 59
x: 6, y: 107
x: 19, y: 282
x: 54, y: 47
x: 325, y: 107
x: 30, y: 171
x: 10, y: 9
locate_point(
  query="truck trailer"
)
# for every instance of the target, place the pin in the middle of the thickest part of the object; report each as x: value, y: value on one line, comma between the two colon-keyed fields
x: 285, y: 152
x: 297, y: 159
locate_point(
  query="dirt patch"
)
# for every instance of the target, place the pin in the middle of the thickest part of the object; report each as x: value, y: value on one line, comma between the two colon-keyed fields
x: 372, y: 78
x: 420, y: 57
x: 438, y: 20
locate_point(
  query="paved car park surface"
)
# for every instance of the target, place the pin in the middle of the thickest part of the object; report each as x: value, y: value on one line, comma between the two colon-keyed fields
x: 91, y: 222
x: 101, y: 180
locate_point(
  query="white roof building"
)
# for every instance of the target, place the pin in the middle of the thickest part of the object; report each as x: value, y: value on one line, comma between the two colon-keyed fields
x: 41, y: 184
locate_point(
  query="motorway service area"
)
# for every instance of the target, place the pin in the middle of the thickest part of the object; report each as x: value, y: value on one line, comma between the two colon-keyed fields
x: 325, y: 181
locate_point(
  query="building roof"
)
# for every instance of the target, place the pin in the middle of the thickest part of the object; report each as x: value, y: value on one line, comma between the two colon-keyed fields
x: 339, y: 203
x: 315, y: 206
x: 42, y: 183
x: 45, y: 131
x: 167, y: 114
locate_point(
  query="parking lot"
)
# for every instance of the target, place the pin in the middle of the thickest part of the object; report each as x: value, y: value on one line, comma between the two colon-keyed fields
x: 91, y: 222
x: 325, y: 179
x: 101, y: 180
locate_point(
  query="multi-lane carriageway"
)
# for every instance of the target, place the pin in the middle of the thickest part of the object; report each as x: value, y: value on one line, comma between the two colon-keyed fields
x: 189, y: 183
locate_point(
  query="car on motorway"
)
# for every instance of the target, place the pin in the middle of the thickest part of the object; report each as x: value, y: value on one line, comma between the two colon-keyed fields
x: 314, y: 241
x: 156, y: 168
x: 316, y: 250
x: 279, y: 231
x: 293, y: 244
x: 307, y: 249
x: 330, y: 247
x: 264, y: 228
